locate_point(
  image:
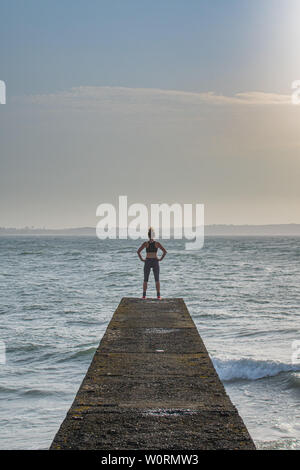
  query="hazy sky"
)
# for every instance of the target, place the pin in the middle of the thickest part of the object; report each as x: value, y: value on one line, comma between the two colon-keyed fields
x: 162, y: 101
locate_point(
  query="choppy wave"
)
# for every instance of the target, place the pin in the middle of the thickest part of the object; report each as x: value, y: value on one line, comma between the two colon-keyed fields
x: 4, y: 389
x: 78, y: 354
x: 25, y: 253
x: 37, y: 393
x: 250, y: 369
x: 33, y: 392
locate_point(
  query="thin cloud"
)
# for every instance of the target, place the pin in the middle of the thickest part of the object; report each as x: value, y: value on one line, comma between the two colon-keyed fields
x: 95, y: 96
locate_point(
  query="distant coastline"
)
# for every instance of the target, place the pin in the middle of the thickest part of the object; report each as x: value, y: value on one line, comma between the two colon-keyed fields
x: 209, y: 230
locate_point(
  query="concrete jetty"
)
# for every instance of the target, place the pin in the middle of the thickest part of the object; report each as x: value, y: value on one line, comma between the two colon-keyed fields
x: 152, y: 385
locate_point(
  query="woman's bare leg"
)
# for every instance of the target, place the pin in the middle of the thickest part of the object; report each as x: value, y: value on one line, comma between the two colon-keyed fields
x: 144, y: 288
x: 158, y: 288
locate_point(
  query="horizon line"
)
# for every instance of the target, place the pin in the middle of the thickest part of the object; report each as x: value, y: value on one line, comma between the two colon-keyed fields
x: 32, y: 227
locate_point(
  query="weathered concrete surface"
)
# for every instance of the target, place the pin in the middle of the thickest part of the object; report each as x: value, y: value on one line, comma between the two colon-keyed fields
x: 152, y: 385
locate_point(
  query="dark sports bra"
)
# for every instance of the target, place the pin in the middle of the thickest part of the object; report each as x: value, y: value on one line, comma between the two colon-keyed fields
x: 151, y: 248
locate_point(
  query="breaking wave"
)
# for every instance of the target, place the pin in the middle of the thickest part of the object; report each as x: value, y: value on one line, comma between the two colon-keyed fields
x: 250, y: 369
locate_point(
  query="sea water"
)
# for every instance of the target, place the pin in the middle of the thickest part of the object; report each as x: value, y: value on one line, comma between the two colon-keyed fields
x: 57, y: 295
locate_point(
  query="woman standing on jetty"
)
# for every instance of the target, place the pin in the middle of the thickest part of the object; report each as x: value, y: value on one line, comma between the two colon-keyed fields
x: 151, y: 261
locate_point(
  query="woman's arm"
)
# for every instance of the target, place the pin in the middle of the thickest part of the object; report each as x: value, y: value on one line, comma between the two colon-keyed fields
x: 140, y: 250
x: 163, y: 250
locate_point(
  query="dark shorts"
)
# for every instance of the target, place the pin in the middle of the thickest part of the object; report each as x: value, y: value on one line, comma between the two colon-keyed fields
x: 154, y: 264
